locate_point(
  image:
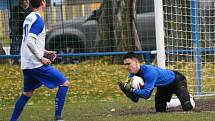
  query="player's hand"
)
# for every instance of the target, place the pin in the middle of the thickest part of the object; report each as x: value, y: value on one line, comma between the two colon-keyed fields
x: 45, y: 61
x: 51, y: 55
x: 128, y: 93
x: 128, y: 87
x: 121, y: 86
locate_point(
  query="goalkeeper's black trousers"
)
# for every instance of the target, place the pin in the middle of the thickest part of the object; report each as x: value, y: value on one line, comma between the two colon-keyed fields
x: 179, y: 88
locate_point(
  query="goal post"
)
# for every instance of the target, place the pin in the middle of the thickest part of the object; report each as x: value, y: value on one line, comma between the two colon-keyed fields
x: 159, y: 30
x: 196, y: 45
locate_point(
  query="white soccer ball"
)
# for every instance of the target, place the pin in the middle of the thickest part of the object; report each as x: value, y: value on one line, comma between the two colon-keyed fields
x: 137, y: 82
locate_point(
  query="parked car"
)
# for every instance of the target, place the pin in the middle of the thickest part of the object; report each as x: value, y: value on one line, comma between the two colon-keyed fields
x: 78, y: 35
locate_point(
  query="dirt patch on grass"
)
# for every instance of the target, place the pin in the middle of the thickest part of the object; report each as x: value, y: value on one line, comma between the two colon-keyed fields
x: 205, y: 105
x: 201, y: 106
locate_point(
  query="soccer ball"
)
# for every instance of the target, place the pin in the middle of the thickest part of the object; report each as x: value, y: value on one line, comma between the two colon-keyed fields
x: 137, y: 82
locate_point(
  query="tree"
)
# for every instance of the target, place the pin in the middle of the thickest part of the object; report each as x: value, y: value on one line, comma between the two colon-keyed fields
x: 117, y: 29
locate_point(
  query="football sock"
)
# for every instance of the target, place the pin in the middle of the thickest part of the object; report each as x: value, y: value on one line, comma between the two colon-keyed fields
x: 20, y: 103
x: 60, y: 99
x: 175, y: 102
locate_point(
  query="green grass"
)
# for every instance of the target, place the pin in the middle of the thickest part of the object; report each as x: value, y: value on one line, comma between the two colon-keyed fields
x: 92, y: 96
x: 125, y: 110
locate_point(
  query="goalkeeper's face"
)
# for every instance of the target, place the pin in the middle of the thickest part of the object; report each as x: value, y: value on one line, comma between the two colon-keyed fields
x: 132, y: 65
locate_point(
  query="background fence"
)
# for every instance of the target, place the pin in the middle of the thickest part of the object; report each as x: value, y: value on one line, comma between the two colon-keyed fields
x: 71, y: 27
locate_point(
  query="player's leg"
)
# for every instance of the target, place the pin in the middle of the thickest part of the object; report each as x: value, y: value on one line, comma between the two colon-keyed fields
x: 52, y: 78
x: 182, y: 93
x: 60, y: 99
x: 162, y: 96
x: 175, y: 102
x: 184, y: 97
x: 20, y: 104
x: 29, y: 86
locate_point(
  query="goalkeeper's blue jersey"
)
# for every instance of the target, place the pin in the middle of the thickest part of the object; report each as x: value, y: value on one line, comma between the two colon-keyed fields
x: 153, y: 77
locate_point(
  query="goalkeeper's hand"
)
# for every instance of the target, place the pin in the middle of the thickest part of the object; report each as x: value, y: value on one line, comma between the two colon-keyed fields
x: 125, y: 89
x: 127, y: 85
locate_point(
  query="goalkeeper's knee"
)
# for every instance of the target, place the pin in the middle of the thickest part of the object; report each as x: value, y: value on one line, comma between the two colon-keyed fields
x: 187, y: 106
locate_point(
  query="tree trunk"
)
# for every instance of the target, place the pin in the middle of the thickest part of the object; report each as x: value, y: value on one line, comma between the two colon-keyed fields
x: 117, y: 28
x: 125, y: 32
x: 105, y: 28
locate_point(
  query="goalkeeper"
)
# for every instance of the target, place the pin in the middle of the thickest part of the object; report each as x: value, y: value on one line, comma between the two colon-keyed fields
x: 168, y: 82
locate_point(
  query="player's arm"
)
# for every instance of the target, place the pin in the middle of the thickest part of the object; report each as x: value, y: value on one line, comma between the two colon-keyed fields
x: 146, y: 91
x: 35, y: 50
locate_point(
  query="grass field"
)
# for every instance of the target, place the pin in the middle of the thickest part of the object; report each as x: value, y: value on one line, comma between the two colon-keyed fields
x: 93, y: 96
x: 117, y: 110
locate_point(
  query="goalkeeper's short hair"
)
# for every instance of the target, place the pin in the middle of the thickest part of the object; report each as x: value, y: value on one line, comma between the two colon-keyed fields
x: 130, y: 54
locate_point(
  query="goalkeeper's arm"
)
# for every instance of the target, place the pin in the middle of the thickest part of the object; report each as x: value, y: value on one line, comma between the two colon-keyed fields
x: 128, y: 93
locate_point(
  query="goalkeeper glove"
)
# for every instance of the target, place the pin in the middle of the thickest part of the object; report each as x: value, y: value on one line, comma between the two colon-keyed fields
x: 128, y: 93
x: 129, y: 87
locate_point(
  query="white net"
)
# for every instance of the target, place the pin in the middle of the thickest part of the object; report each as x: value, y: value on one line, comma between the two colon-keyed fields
x: 189, y: 42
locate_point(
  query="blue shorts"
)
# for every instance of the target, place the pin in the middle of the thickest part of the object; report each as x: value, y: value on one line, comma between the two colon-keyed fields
x: 44, y: 75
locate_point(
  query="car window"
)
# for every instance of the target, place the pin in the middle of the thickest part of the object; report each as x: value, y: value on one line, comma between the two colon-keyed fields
x: 144, y: 6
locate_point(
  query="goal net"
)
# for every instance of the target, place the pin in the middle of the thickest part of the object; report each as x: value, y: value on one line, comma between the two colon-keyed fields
x: 190, y: 42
